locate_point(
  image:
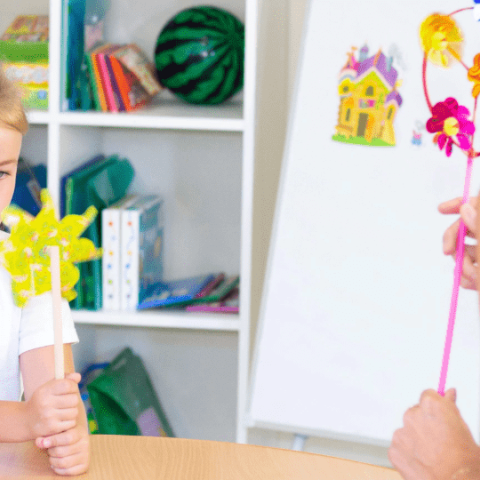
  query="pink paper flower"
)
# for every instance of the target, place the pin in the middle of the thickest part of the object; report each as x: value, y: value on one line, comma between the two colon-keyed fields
x: 450, y: 121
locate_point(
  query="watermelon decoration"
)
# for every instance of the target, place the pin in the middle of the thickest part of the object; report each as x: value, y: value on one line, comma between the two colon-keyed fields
x: 199, y: 55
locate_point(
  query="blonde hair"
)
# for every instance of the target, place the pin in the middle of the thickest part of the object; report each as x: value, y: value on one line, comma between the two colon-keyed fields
x: 12, y: 113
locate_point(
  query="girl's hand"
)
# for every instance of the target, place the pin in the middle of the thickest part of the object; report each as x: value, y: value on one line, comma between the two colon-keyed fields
x: 53, y: 407
x: 69, y: 451
x: 468, y: 214
x: 435, y: 442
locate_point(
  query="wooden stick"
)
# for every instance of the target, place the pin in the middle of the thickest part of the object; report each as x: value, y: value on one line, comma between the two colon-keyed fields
x: 57, y: 311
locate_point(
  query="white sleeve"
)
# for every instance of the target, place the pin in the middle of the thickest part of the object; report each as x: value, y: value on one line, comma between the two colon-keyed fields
x: 36, y: 324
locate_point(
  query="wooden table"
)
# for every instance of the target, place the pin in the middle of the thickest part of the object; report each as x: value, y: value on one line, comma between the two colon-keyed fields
x: 150, y: 458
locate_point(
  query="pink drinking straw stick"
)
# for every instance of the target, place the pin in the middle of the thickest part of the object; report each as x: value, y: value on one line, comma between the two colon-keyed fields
x: 460, y: 252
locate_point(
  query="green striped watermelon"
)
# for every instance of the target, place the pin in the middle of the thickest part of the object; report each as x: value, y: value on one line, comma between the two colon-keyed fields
x: 199, y: 55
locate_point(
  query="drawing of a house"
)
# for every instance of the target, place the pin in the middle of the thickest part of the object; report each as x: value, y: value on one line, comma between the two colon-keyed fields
x: 369, y: 100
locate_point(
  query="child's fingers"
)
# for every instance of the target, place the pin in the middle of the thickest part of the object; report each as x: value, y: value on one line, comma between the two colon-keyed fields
x: 71, y: 465
x: 66, y: 438
x: 76, y: 377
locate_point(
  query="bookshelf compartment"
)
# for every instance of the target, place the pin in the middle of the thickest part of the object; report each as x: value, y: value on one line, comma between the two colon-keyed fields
x: 198, y: 174
x: 193, y: 372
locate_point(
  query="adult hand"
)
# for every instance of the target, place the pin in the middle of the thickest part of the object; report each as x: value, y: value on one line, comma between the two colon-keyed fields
x: 468, y: 214
x: 435, y: 443
x: 53, y: 407
x: 69, y: 452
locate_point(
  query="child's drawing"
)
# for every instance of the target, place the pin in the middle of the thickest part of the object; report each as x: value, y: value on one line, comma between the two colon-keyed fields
x: 369, y: 99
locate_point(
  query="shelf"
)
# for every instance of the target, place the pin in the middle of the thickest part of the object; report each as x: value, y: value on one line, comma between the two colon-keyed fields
x: 38, y: 117
x: 181, y: 320
x: 165, y: 114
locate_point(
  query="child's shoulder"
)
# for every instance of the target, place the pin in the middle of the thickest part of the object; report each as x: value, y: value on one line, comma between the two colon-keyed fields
x: 3, y: 235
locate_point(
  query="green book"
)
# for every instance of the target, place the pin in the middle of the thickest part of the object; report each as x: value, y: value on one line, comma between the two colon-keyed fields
x: 101, y: 185
x: 73, y: 184
x: 219, y: 292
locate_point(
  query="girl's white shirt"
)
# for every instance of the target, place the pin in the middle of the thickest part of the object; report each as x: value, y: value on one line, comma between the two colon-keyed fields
x: 23, y: 329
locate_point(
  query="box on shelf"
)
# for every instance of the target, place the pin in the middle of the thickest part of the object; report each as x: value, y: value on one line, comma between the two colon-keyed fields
x: 24, y: 56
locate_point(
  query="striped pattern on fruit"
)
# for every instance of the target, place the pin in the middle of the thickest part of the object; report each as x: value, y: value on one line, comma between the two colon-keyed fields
x: 199, y: 55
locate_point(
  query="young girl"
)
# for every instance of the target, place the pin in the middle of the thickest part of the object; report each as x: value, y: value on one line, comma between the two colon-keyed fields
x: 52, y: 413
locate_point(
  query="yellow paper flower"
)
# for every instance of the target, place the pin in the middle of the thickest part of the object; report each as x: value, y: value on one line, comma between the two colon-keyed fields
x: 24, y: 253
x: 441, y: 39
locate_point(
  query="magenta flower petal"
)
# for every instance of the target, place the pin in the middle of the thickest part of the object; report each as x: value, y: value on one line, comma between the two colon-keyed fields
x: 441, y: 111
x: 466, y: 126
x: 452, y: 106
x: 442, y: 140
x: 434, y: 125
x: 462, y: 111
x: 448, y: 149
x: 463, y: 141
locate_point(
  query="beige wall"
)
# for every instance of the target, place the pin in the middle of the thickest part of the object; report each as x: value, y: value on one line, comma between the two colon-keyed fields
x: 280, y: 34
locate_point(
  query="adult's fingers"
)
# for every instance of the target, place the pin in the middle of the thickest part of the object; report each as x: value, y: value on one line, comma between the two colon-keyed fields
x: 450, y: 237
x: 453, y: 206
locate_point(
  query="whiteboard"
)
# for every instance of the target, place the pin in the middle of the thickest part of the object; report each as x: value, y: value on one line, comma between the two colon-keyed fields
x: 357, y: 290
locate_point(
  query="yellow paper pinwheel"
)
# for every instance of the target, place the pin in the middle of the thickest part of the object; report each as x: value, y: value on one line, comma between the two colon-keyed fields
x: 24, y: 253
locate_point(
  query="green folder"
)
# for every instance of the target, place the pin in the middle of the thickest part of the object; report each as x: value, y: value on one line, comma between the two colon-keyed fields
x: 100, y: 185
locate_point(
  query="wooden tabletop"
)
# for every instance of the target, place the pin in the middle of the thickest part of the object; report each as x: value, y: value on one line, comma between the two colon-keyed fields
x: 147, y: 458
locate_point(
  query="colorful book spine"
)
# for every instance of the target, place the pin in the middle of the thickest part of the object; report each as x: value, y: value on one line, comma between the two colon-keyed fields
x: 142, y: 249
x: 93, y: 82
x: 113, y: 80
x: 111, y: 244
x: 122, y: 81
x: 98, y: 78
x: 106, y: 80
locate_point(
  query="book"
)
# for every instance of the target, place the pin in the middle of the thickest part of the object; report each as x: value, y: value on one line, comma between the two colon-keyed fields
x: 134, y: 75
x: 131, y: 96
x: 100, y: 184
x: 230, y: 304
x: 116, y: 89
x: 221, y: 291
x: 93, y: 82
x: 27, y: 28
x: 63, y: 180
x: 111, y: 244
x: 98, y: 81
x: 174, y: 292
x: 142, y: 237
x: 133, y: 58
x: 106, y: 79
x: 209, y: 288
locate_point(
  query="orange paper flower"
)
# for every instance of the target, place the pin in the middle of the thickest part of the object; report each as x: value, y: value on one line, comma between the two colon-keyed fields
x: 474, y: 75
x: 441, y: 39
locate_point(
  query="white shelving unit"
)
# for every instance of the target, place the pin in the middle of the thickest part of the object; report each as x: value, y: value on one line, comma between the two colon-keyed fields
x: 201, y: 159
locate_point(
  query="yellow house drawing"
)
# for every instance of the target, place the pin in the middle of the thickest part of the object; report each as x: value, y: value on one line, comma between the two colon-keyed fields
x: 369, y: 100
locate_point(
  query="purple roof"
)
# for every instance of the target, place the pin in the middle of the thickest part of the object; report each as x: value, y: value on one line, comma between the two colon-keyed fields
x: 394, y: 96
x: 381, y: 66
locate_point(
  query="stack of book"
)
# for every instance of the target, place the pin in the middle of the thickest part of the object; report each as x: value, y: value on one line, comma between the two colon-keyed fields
x: 101, y: 182
x: 204, y: 293
x: 24, y: 55
x: 132, y: 241
x: 121, y: 77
